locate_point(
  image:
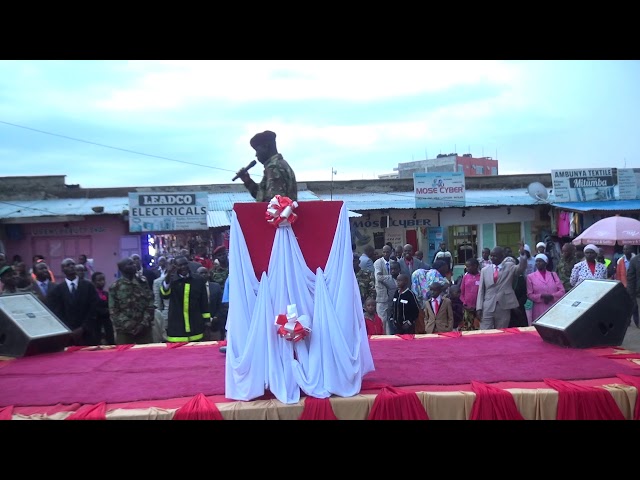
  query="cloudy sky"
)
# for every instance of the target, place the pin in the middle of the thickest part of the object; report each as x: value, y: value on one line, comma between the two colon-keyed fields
x: 143, y: 123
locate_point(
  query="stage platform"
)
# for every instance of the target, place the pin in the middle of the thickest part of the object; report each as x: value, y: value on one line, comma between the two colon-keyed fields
x: 493, y: 374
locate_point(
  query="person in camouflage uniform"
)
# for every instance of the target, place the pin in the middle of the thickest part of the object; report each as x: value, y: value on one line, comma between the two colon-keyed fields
x: 220, y: 272
x: 278, y: 177
x: 131, y: 306
x: 565, y: 265
x: 366, y: 280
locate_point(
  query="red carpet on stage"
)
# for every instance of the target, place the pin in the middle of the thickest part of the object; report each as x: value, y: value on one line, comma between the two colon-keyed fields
x: 155, y: 372
x: 482, y: 358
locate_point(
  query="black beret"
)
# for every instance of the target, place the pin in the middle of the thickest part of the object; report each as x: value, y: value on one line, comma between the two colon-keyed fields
x: 262, y: 138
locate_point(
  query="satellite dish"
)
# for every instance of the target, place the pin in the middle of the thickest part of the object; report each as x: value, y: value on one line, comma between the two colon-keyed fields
x: 538, y: 191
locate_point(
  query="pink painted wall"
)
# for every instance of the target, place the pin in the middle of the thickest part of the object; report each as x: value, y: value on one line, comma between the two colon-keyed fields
x: 98, y: 237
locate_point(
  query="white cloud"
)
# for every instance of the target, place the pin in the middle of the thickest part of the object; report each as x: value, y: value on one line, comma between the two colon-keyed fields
x: 170, y: 84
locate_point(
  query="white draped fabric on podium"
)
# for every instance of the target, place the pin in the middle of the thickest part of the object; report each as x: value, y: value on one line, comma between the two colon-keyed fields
x: 335, y: 355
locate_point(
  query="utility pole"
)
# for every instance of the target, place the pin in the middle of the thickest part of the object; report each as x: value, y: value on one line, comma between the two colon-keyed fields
x: 333, y: 172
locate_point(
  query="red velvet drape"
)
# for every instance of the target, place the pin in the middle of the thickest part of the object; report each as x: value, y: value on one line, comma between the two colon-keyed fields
x: 579, y: 402
x: 511, y: 330
x: 90, y: 412
x: 198, y: 408
x: 454, y: 334
x: 396, y: 404
x: 493, y: 403
x: 635, y: 381
x: 317, y: 409
x: 406, y: 336
x: 6, y: 413
x: 315, y: 218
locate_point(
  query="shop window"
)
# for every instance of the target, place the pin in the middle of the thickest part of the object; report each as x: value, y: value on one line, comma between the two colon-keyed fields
x: 463, y: 243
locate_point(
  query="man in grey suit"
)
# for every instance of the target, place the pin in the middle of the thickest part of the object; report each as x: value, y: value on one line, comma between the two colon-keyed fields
x: 409, y: 263
x: 385, y: 285
x: 496, y: 297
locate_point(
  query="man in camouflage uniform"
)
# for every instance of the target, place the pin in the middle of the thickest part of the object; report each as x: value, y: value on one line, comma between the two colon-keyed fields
x: 366, y: 280
x: 220, y: 272
x: 565, y: 265
x: 278, y: 177
x: 131, y: 306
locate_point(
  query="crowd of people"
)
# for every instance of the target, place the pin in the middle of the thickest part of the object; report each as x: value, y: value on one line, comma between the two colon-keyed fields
x: 497, y: 290
x: 178, y: 300
x: 182, y: 299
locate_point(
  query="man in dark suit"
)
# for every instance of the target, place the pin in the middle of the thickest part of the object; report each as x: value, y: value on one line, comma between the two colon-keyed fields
x: 496, y: 296
x: 214, y: 292
x: 74, y: 302
x: 41, y: 284
x: 409, y: 263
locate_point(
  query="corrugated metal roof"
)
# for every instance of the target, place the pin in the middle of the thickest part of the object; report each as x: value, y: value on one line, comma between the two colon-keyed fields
x: 218, y: 218
x: 220, y: 206
x: 406, y: 200
x: 599, y: 205
x: 62, y: 207
x: 223, y: 201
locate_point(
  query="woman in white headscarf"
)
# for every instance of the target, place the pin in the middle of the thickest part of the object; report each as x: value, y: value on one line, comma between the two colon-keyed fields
x: 588, y: 268
x: 543, y: 288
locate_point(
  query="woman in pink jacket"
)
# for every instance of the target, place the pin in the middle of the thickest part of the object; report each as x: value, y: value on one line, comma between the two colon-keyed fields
x: 543, y: 288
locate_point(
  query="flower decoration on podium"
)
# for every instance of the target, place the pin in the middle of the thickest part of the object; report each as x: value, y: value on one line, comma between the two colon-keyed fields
x: 280, y: 211
x: 291, y: 327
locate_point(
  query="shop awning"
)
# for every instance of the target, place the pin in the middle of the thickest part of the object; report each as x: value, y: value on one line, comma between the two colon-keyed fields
x: 599, y: 205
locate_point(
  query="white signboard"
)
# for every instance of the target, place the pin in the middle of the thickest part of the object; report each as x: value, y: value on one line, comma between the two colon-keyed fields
x: 584, y: 184
x: 168, y: 211
x: 444, y: 189
x: 628, y: 183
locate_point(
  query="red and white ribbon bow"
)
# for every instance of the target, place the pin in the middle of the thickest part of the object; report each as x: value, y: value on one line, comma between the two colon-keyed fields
x: 280, y: 211
x: 292, y: 328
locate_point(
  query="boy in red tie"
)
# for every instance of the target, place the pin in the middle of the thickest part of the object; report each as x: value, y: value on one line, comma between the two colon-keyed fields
x: 438, y: 311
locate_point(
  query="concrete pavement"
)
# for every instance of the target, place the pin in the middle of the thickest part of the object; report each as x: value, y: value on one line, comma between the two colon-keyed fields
x: 632, y: 338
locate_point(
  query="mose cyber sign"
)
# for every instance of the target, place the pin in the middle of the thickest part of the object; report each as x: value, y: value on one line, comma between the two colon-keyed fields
x: 168, y: 211
x: 443, y: 189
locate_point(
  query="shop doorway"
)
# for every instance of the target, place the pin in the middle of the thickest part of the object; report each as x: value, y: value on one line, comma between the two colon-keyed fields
x: 462, y: 243
x: 509, y: 235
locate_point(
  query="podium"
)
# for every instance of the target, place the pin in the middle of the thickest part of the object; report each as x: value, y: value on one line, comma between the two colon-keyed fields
x: 308, y: 264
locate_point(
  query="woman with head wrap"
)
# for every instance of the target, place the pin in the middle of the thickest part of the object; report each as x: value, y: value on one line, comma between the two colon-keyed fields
x: 543, y: 288
x: 588, y: 268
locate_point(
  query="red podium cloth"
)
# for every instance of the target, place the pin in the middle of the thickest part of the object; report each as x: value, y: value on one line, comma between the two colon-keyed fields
x: 310, y: 230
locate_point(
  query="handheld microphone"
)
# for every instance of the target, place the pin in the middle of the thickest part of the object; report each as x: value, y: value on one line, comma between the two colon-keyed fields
x: 242, y: 170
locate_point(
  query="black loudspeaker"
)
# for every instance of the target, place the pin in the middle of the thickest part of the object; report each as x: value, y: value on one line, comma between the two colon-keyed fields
x: 595, y: 313
x: 28, y: 327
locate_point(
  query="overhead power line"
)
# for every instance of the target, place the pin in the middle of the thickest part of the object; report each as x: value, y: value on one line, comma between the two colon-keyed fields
x: 113, y: 148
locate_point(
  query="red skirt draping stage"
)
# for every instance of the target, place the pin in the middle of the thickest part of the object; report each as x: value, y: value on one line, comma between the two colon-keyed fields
x: 478, y: 375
